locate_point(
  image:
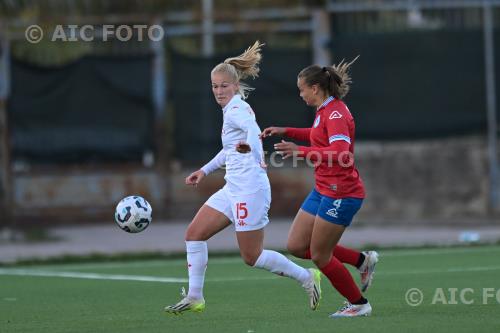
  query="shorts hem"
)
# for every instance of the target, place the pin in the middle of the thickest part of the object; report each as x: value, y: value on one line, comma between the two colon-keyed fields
x: 217, y: 209
x: 309, y: 211
x: 337, y: 222
x: 252, y: 227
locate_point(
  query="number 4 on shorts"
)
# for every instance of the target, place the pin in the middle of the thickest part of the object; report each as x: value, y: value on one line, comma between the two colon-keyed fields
x: 337, y: 203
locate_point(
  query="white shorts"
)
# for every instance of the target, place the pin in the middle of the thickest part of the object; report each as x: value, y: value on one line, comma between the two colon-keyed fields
x: 247, y: 212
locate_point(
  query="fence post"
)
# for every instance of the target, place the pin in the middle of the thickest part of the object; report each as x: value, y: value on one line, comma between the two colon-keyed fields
x: 5, y: 175
x: 162, y: 137
x: 489, y: 61
x: 321, y: 37
x: 208, y: 28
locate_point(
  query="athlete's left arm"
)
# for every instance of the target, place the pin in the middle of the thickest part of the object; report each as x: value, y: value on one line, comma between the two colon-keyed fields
x: 245, y: 120
x: 253, y: 138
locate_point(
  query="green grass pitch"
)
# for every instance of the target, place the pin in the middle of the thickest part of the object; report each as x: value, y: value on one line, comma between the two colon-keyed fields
x: 129, y: 296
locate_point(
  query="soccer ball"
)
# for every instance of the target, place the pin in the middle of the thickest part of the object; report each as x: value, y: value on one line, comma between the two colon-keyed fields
x: 133, y: 214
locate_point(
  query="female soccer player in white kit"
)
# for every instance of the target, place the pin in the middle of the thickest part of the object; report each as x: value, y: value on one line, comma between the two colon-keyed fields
x: 246, y: 197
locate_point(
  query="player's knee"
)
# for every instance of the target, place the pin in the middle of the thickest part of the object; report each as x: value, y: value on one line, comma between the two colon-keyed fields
x: 320, y: 258
x: 193, y: 234
x: 296, y: 250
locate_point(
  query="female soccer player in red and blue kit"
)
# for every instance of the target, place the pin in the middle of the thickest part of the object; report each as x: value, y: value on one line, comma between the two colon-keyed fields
x: 339, y: 190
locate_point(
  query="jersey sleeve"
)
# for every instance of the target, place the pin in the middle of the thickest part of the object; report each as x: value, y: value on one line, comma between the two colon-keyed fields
x: 300, y: 134
x: 243, y: 118
x: 254, y: 140
x: 337, y: 129
x: 218, y: 161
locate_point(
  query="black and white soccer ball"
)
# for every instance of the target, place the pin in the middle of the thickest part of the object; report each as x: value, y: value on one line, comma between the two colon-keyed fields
x: 133, y: 214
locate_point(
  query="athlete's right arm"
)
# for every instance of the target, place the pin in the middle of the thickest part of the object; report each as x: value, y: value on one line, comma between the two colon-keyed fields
x: 300, y: 134
x: 272, y: 131
x: 218, y: 161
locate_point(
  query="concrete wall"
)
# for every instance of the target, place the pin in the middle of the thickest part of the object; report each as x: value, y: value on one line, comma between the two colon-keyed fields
x: 444, y: 179
x: 406, y: 182
x: 62, y: 194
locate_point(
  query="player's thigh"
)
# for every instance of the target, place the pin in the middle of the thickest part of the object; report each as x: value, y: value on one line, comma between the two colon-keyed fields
x: 251, y: 244
x: 250, y: 211
x: 325, y: 236
x: 333, y: 217
x: 250, y: 214
x: 299, y: 236
x: 206, y: 223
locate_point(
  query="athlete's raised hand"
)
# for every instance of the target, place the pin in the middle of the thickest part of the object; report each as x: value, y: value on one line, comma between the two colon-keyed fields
x: 272, y: 131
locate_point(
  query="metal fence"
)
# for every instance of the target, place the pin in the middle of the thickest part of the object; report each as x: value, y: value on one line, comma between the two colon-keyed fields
x: 378, y: 16
x: 325, y: 24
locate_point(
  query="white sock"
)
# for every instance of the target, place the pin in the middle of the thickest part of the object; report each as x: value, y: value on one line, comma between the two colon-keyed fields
x: 279, y: 264
x: 197, y: 259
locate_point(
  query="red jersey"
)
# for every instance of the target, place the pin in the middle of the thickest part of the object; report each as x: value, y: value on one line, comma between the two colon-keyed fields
x: 332, y: 150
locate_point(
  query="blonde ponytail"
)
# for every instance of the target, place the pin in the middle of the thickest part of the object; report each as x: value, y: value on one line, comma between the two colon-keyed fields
x: 243, y: 66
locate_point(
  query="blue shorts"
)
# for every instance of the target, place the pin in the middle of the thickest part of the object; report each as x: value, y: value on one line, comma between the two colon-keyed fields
x: 338, y: 211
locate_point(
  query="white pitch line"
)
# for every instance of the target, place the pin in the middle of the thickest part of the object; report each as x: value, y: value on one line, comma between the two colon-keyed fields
x: 437, y: 271
x: 423, y: 252
x: 237, y: 260
x: 91, y: 276
x: 144, y: 264
x: 474, y: 269
x: 98, y: 276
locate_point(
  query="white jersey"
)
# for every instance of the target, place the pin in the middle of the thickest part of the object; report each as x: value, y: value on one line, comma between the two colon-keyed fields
x: 245, y: 173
